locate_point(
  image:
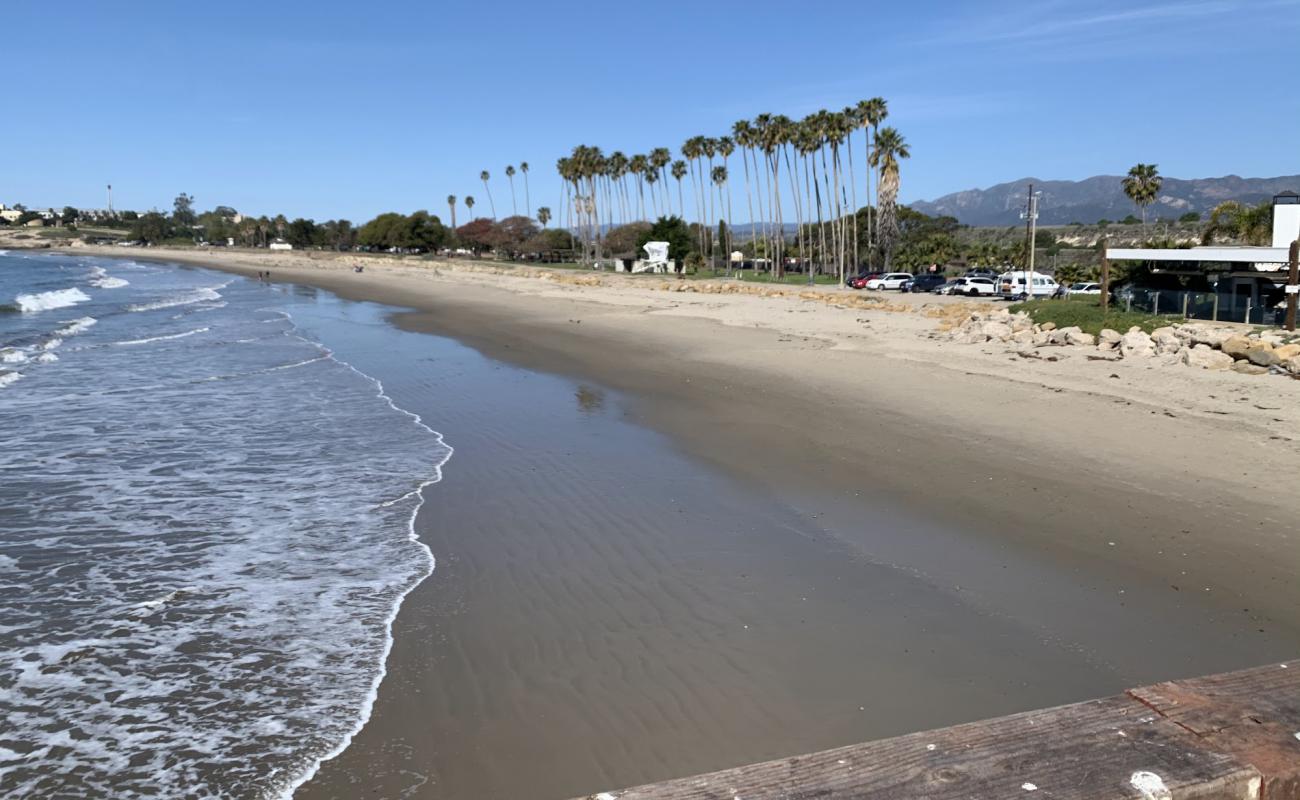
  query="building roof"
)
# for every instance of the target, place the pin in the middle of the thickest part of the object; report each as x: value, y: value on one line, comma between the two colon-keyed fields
x: 1228, y: 255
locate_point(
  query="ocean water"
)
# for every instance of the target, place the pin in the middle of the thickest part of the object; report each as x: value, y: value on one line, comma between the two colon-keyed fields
x: 206, y: 529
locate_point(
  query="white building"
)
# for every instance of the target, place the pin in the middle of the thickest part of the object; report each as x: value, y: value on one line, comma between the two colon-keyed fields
x: 9, y: 214
x: 1244, y: 273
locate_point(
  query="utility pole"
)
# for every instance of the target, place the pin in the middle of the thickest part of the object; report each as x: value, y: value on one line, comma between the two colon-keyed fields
x: 1293, y: 286
x: 1030, y: 215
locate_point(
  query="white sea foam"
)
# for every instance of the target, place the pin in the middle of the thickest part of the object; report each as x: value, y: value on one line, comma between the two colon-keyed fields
x: 76, y: 326
x: 12, y: 355
x: 100, y: 278
x: 201, y: 295
x: 45, y: 358
x: 225, y: 587
x: 9, y: 378
x: 165, y: 337
x: 46, y: 301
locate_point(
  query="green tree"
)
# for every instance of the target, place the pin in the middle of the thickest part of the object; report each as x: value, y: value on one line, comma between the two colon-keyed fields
x: 70, y: 215
x: 544, y: 216
x: 1236, y: 222
x: 183, y: 213
x: 672, y: 230
x: 422, y: 232
x: 1190, y: 216
x: 1142, y: 186
x: 528, y: 202
x: 484, y: 176
x: 627, y: 238
x: 151, y: 227
x: 889, y: 149
x: 301, y: 233
x: 451, y: 204
x: 510, y: 175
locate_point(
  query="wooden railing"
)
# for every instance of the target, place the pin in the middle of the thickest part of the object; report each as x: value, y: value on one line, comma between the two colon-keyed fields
x: 1235, y: 735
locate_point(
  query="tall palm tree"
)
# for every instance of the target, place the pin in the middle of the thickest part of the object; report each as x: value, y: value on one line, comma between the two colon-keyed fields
x: 742, y: 132
x: 451, y: 204
x: 469, y: 206
x: 871, y: 112
x: 483, y: 176
x: 638, y: 165
x: 544, y: 215
x: 1142, y: 187
x: 726, y: 146
x: 889, y: 148
x: 692, y: 151
x: 618, y: 164
x: 679, y: 172
x: 528, y: 204
x: 652, y: 177
x: 719, y: 175
x: 659, y: 159
x: 510, y: 175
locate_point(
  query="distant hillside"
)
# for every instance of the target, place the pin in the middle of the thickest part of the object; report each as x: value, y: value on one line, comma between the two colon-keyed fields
x: 1100, y: 197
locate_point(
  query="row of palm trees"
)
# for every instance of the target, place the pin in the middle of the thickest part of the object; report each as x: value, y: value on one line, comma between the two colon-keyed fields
x: 814, y: 155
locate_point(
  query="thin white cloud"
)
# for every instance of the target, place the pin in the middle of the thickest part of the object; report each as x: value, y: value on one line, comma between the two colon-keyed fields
x: 1056, y: 21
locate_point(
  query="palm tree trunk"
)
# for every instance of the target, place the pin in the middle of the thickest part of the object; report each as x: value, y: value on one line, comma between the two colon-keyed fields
x: 853, y: 212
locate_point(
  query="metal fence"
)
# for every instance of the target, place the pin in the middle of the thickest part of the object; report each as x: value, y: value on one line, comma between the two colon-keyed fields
x: 1216, y: 306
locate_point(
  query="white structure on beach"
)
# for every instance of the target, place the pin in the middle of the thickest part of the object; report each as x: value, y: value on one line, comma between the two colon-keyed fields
x: 1286, y: 229
x: 1249, y: 271
x: 656, y: 259
x: 279, y: 244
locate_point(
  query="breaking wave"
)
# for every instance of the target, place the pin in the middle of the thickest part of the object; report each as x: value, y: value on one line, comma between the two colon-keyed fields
x: 47, y: 301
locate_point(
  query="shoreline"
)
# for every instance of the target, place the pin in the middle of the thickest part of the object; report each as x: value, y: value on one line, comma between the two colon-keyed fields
x: 851, y: 422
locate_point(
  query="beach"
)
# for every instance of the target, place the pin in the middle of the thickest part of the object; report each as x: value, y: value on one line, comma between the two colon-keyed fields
x: 685, y: 530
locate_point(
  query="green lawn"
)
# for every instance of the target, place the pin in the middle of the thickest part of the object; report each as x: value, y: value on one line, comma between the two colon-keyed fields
x: 1087, y: 314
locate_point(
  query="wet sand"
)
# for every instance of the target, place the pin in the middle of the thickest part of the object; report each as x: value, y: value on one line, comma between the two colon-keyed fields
x: 668, y: 545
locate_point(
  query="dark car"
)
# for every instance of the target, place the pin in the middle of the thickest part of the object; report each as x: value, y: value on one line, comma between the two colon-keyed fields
x: 925, y: 283
x: 981, y: 272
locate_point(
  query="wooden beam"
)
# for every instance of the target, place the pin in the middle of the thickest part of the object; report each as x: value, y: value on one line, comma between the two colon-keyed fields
x: 1227, y: 736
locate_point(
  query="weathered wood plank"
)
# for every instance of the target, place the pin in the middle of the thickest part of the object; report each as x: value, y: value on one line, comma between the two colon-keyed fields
x: 1253, y: 715
x: 1111, y: 748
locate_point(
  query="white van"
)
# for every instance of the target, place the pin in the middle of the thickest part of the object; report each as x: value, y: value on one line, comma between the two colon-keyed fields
x: 1012, y: 284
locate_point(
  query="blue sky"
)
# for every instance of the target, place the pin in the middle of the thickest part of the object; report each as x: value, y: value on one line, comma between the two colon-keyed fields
x: 343, y: 109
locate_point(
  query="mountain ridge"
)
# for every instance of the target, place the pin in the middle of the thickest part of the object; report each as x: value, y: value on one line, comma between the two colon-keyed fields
x: 1099, y: 197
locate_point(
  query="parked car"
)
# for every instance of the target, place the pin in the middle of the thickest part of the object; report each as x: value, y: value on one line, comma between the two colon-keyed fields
x: 1012, y: 284
x: 892, y: 280
x: 1083, y: 288
x: 981, y: 272
x: 974, y: 287
x: 924, y: 283
x: 859, y: 281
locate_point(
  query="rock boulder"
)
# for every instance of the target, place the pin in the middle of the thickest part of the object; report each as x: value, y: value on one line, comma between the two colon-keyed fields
x: 1235, y: 346
x: 1202, y: 356
x: 1137, y: 344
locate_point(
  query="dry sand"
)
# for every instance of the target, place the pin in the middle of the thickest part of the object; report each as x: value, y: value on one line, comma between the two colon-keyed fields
x: 1142, y: 517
